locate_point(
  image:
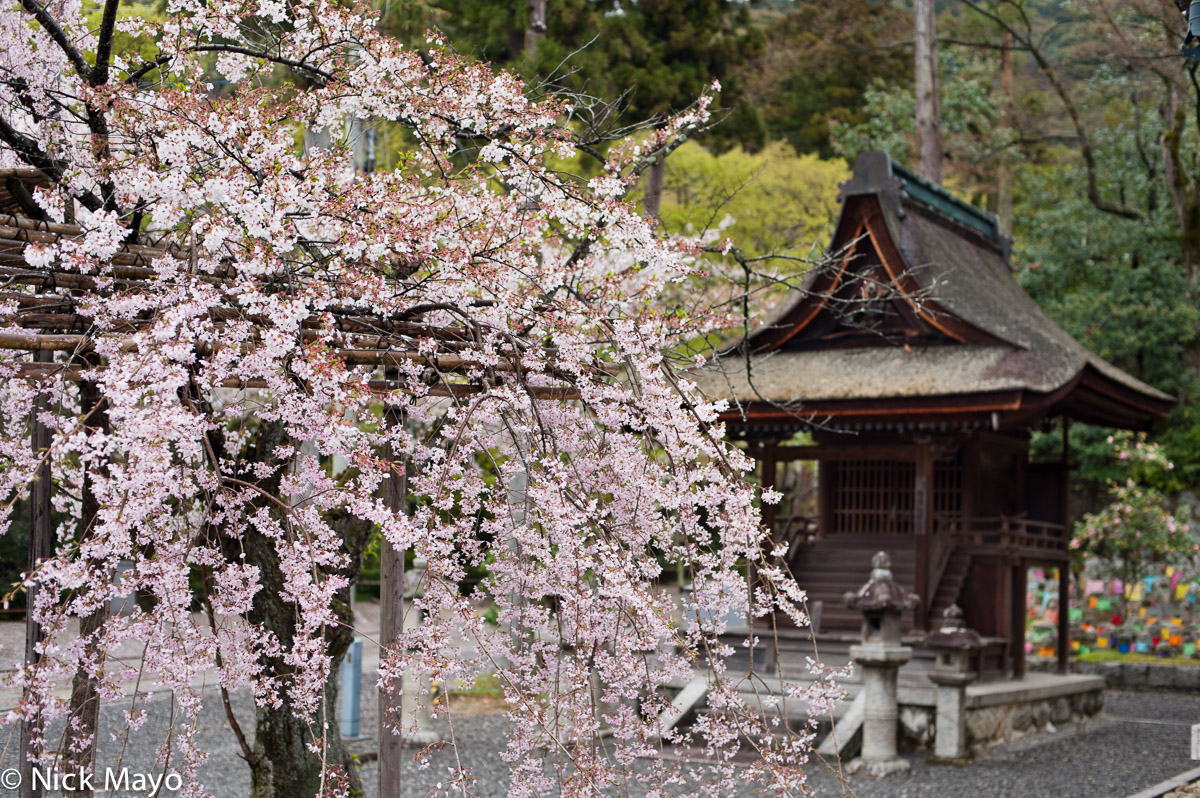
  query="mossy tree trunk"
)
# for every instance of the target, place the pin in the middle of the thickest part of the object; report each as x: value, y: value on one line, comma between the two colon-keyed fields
x: 282, y: 765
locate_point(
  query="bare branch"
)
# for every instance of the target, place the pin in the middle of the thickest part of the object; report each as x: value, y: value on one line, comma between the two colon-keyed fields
x: 1086, y: 150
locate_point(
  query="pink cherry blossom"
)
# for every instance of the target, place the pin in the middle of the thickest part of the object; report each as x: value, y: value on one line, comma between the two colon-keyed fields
x: 513, y: 317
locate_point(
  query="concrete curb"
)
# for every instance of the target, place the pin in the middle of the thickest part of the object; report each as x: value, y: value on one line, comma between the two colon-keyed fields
x: 1164, y: 787
x: 1139, y: 675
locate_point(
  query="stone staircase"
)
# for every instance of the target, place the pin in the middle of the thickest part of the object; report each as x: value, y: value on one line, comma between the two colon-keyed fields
x: 839, y: 564
x: 951, y: 585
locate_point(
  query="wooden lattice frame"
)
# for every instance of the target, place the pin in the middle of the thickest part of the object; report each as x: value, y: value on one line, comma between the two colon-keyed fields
x: 49, y: 306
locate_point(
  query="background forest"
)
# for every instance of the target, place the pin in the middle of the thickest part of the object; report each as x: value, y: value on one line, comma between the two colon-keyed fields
x: 1074, y: 120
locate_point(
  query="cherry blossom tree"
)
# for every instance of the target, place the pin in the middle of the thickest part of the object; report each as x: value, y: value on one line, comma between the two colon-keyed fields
x: 1137, y: 532
x: 263, y: 339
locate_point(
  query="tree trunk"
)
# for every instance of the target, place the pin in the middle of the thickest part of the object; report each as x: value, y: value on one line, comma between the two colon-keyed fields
x: 283, y: 766
x: 79, y: 739
x: 929, y: 145
x: 535, y: 29
x: 1004, y: 207
x: 654, y: 187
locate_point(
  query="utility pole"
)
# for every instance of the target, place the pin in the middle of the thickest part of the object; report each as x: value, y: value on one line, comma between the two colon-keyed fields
x: 929, y: 145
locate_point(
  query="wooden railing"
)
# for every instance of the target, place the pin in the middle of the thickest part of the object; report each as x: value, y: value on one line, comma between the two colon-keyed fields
x: 794, y: 531
x: 941, y: 548
x: 1004, y: 534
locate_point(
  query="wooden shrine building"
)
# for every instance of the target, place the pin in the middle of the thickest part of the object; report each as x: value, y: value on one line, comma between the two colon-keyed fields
x: 919, y: 367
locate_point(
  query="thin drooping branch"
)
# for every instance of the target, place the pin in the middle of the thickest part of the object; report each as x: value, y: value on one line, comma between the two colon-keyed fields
x: 246, y: 751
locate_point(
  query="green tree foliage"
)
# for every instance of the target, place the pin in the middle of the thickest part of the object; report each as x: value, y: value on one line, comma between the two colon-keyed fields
x: 974, y: 137
x: 820, y: 60
x: 663, y: 52
x: 1116, y: 284
x: 770, y: 201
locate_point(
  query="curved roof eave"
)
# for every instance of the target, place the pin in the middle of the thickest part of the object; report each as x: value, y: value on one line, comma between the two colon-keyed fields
x: 1005, y: 341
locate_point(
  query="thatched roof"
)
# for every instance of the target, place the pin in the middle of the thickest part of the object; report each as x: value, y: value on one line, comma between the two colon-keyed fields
x: 963, y: 341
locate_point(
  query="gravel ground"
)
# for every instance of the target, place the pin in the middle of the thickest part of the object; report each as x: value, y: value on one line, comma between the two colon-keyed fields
x: 1144, y: 739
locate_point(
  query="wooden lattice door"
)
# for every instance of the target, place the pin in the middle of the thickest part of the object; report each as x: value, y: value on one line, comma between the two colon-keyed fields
x: 870, y: 497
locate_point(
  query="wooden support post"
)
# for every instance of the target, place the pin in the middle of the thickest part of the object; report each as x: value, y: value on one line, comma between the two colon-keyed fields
x: 1064, y: 577
x: 1064, y: 621
x: 1003, y: 619
x: 768, y: 465
x: 82, y: 734
x: 923, y: 533
x: 769, y: 474
x: 763, y: 452
x: 391, y: 622
x: 1019, y: 578
x: 41, y: 545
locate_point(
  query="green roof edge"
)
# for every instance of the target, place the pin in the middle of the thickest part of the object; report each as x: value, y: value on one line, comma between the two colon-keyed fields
x: 938, y: 199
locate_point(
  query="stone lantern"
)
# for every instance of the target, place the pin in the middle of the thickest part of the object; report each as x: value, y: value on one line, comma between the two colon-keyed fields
x: 880, y: 655
x: 952, y: 645
x: 416, y: 694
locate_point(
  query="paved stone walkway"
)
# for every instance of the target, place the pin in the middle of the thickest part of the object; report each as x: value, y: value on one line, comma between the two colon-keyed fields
x: 1143, y: 740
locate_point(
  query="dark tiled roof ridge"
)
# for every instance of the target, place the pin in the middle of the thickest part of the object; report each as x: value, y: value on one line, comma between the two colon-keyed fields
x: 937, y: 198
x: 875, y: 172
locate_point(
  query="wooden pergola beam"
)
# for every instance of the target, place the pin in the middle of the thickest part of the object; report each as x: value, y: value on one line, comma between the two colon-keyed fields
x: 443, y: 390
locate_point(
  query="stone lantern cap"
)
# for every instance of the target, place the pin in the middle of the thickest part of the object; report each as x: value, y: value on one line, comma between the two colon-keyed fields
x: 881, y: 592
x: 953, y: 633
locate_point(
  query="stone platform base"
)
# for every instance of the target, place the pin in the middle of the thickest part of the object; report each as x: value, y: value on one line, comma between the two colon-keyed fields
x: 877, y: 770
x: 1002, y: 711
x: 1136, y: 675
x: 995, y: 711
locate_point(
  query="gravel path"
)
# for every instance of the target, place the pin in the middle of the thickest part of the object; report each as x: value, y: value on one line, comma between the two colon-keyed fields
x: 1144, y: 739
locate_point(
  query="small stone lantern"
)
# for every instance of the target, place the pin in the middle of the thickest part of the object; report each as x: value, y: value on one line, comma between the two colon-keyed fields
x: 952, y: 645
x: 880, y: 655
x: 416, y: 694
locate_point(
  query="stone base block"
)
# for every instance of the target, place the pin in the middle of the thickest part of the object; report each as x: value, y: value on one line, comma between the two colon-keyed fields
x: 876, y: 769
x: 421, y: 738
x: 953, y: 761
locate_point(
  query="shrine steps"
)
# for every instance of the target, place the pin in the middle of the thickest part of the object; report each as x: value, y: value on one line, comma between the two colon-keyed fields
x: 839, y: 564
x: 836, y: 565
x: 784, y: 651
x: 954, y: 578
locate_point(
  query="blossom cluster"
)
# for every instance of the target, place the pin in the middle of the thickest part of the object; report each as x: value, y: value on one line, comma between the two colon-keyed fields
x: 1137, y: 529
